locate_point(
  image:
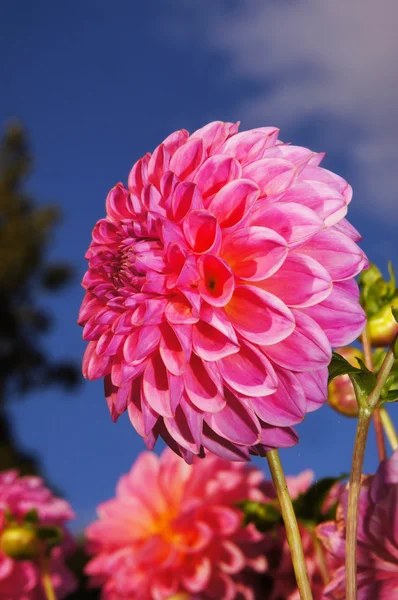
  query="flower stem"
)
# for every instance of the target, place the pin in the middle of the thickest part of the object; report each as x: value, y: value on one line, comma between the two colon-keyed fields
x: 292, y: 530
x: 380, y: 441
x: 46, y: 580
x: 389, y: 428
x: 364, y: 419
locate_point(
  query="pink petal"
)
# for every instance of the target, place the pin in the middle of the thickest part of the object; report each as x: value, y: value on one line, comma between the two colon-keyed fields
x: 233, y: 202
x: 179, y: 429
x: 254, y: 252
x: 287, y: 406
x: 155, y: 386
x: 325, y: 201
x: 138, y: 176
x: 222, y: 447
x: 294, y: 222
x: 247, y: 146
x: 173, y: 355
x: 306, y: 349
x: 194, y: 419
x: 272, y: 175
x: 340, y: 316
x: 196, y: 576
x: 259, y: 316
x: 232, y: 559
x: 210, y: 344
x: 215, y: 133
x: 235, y: 422
x: 216, y: 172
x: 180, y: 311
x: 345, y: 227
x: 141, y: 343
x: 202, y: 231
x: 117, y: 206
x: 187, y: 158
x: 175, y: 140
x: 333, y: 180
x: 217, y: 319
x: 186, y: 197
x: 203, y: 387
x: 315, y: 386
x: 278, y: 437
x: 217, y: 282
x: 248, y: 372
x: 300, y: 281
x: 158, y: 164
x: 340, y: 256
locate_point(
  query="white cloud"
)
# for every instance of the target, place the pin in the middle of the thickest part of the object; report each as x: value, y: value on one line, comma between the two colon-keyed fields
x: 330, y: 59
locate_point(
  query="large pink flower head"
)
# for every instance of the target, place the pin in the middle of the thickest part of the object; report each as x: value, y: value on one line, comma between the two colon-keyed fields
x: 217, y: 284
x: 377, y: 552
x: 21, y: 580
x: 176, y: 528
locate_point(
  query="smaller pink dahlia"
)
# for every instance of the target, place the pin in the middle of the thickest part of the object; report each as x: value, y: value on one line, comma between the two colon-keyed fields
x: 377, y: 553
x: 175, y: 528
x: 21, y: 580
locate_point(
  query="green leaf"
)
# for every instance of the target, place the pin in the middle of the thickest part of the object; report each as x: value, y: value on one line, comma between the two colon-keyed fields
x: 51, y: 535
x: 31, y: 517
x: 362, y: 379
x: 391, y: 396
x: 264, y: 516
x: 394, y: 310
x: 340, y: 366
x: 308, y: 506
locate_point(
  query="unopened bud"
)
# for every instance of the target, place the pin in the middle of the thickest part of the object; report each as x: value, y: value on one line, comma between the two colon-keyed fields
x: 20, y: 543
x: 341, y: 395
x: 382, y: 326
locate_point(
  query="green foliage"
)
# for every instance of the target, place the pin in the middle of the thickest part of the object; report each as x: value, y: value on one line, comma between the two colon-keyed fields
x: 264, y: 516
x: 362, y: 379
x: 376, y: 292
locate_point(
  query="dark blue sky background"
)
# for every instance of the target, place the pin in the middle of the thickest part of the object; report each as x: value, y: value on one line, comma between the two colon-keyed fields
x: 99, y: 83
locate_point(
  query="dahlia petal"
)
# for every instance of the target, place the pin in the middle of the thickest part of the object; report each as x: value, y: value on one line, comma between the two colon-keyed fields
x: 287, y: 406
x: 141, y: 343
x: 248, y: 372
x: 225, y: 521
x: 173, y: 355
x: 155, y: 386
x: 300, y: 157
x: 340, y: 316
x: 217, y: 319
x: 217, y: 281
x: 254, y: 252
x: 235, y: 422
x: 179, y: 429
x: 94, y: 366
x: 138, y: 176
x: 294, y: 222
x: 259, y: 316
x: 203, y: 387
x: 325, y: 201
x: 117, y: 207
x: 196, y: 576
x: 333, y: 180
x: 272, y: 175
x: 194, y: 419
x: 233, y: 202
x: 179, y: 311
x: 202, y: 231
x: 134, y: 409
x: 158, y: 163
x: 187, y: 158
x: 306, y: 349
x: 247, y: 146
x: 215, y: 133
x: 186, y: 197
x: 109, y: 344
x: 345, y: 227
x: 175, y: 140
x: 315, y: 386
x: 340, y: 256
x: 222, y: 447
x: 232, y: 559
x: 215, y: 172
x: 278, y: 437
x: 210, y: 344
x: 300, y: 281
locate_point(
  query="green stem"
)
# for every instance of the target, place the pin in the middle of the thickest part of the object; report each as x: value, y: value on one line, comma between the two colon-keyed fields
x: 292, y: 530
x: 364, y: 419
x: 46, y: 580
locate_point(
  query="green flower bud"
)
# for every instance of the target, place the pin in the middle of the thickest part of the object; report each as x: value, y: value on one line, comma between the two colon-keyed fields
x: 341, y: 395
x: 382, y: 327
x: 20, y: 543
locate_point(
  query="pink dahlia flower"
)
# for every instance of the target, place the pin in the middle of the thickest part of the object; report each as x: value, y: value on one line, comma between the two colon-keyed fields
x: 21, y: 580
x: 175, y: 528
x: 377, y: 553
x: 217, y: 284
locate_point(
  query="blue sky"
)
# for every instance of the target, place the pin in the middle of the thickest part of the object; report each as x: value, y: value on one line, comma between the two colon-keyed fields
x: 98, y: 84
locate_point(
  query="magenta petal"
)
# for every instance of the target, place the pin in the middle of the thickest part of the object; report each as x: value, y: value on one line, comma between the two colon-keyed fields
x: 340, y: 316
x: 216, y: 172
x: 158, y: 163
x: 203, y: 386
x: 194, y: 419
x: 306, y: 349
x: 222, y: 447
x: 340, y: 256
x: 215, y: 133
x: 172, y: 352
x: 232, y: 203
x: 278, y: 437
x: 175, y: 140
x: 187, y: 158
x: 196, y: 578
x: 202, y: 231
x: 287, y: 406
x: 248, y: 372
x: 186, y: 197
x: 294, y: 222
x: 315, y: 386
x: 345, y: 227
x: 259, y: 316
x: 300, y: 281
x: 272, y: 175
x: 180, y: 430
x: 235, y: 422
x: 155, y: 386
x: 254, y: 252
x: 247, y: 146
x: 325, y: 201
x: 117, y: 207
x: 210, y: 344
x: 217, y: 281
